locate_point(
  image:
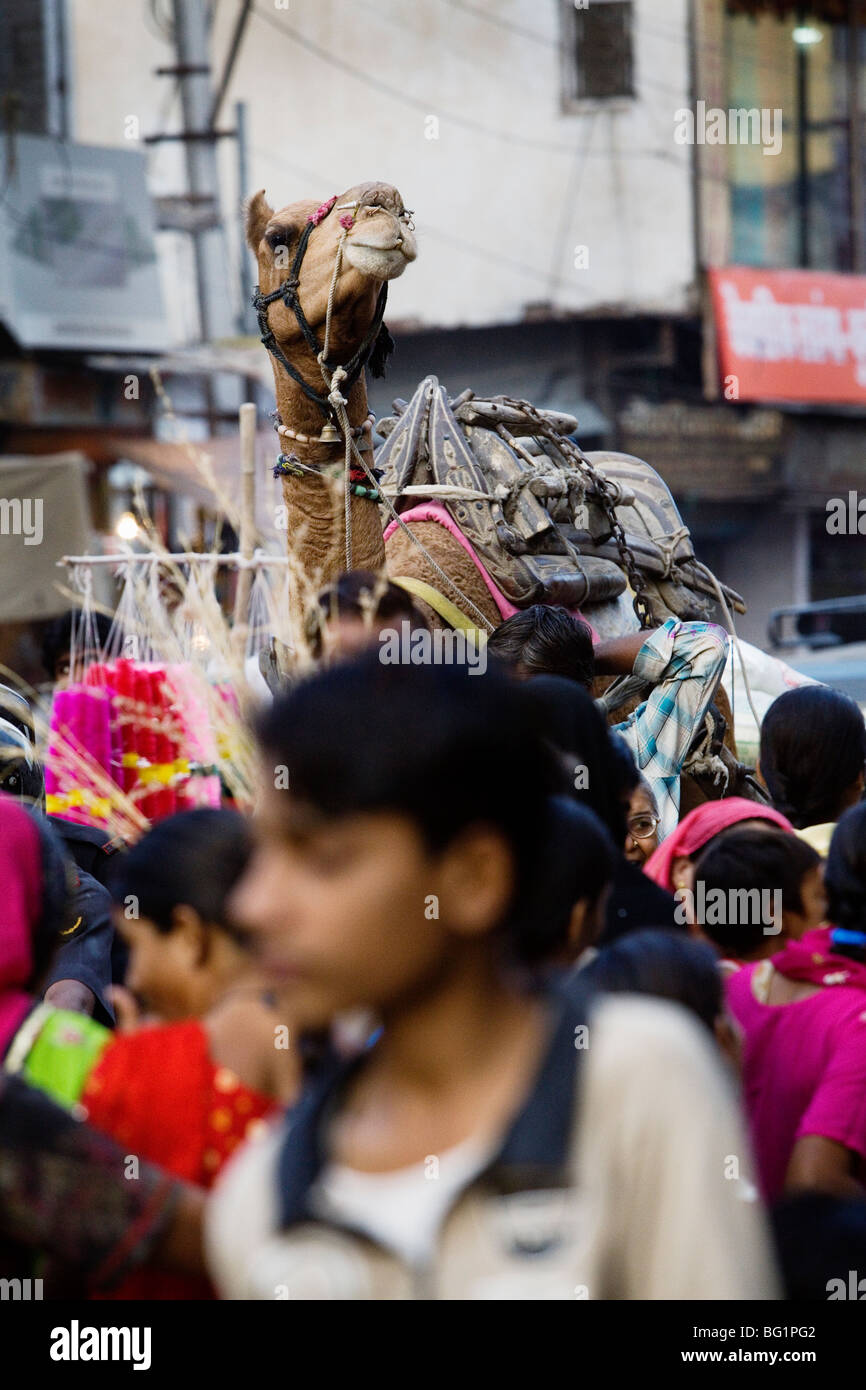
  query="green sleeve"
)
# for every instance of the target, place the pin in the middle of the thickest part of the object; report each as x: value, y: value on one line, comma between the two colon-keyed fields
x: 63, y: 1055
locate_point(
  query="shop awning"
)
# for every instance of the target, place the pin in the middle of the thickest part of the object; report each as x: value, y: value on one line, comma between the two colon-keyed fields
x: 185, y: 468
x: 244, y: 357
x: 44, y: 515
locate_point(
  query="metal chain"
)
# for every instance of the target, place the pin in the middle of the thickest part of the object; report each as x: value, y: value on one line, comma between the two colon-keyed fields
x: 605, y: 495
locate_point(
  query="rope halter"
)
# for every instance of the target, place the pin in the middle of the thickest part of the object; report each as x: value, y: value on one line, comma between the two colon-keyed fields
x: 288, y: 292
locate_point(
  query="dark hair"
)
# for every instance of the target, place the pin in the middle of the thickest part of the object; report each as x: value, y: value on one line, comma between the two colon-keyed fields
x: 546, y: 641
x: 813, y: 746
x: 437, y: 744
x: 575, y: 862
x: 845, y: 871
x: 594, y: 764
x: 667, y: 964
x: 193, y: 859
x: 360, y: 594
x: 57, y: 637
x: 630, y: 775
x: 748, y: 860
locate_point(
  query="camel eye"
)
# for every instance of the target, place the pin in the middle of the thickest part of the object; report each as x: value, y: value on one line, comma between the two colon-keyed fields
x: 278, y: 236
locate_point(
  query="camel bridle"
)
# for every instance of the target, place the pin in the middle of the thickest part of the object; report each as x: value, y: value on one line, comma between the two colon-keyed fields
x: 288, y: 293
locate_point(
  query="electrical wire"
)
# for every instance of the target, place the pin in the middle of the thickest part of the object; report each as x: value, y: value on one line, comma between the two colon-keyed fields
x: 555, y: 45
x: 452, y: 50
x: 572, y: 194
x: 509, y: 137
x: 461, y: 52
x: 509, y: 263
x: 672, y: 33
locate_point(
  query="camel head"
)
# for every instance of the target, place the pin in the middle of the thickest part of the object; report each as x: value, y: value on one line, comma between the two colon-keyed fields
x: 378, y: 246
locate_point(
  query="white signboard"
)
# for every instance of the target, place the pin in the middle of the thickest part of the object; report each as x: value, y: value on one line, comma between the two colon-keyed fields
x: 78, y: 266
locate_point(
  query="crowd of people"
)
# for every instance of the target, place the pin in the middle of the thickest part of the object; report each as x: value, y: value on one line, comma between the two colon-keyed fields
x: 470, y: 1006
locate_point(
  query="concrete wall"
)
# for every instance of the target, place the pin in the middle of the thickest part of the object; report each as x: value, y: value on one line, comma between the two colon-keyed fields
x: 340, y: 91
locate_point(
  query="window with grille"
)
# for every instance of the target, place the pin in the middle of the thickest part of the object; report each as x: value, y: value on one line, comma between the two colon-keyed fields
x: 597, y: 50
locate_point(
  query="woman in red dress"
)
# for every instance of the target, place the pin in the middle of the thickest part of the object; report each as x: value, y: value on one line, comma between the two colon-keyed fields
x: 185, y: 1092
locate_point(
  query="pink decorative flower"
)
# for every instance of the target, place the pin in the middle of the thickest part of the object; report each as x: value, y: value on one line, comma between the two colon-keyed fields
x: 347, y: 219
x: 317, y: 216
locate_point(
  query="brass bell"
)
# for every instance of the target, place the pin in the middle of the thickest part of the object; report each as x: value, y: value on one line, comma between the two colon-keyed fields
x: 329, y: 435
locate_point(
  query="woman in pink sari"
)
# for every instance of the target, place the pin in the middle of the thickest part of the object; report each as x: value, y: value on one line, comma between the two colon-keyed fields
x: 803, y: 1016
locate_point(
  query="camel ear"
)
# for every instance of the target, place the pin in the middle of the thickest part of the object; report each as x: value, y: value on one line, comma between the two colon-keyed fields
x: 259, y: 214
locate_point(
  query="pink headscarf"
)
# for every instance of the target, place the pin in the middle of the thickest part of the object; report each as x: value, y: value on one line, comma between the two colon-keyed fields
x: 20, y: 906
x: 811, y: 959
x: 697, y: 828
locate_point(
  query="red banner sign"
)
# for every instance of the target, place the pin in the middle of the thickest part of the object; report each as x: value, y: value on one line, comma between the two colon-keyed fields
x: 791, y: 335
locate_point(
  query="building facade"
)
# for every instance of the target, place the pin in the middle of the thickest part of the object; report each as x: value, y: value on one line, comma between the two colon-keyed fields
x: 572, y: 193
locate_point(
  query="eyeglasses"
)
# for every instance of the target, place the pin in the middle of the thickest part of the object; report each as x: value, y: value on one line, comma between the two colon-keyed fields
x: 643, y: 826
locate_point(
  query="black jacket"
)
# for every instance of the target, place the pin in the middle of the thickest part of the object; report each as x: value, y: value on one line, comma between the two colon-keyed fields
x: 91, y: 848
x: 87, y: 949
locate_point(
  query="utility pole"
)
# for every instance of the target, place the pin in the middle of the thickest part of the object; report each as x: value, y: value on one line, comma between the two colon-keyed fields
x: 197, y: 101
x: 247, y: 318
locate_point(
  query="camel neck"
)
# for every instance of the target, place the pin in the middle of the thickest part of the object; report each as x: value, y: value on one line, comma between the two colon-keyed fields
x: 305, y: 419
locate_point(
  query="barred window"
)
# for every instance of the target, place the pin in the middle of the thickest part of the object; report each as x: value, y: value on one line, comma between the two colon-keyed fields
x: 597, y: 44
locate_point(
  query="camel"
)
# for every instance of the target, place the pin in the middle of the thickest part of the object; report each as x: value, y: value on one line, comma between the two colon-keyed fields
x: 323, y: 275
x: 378, y: 246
